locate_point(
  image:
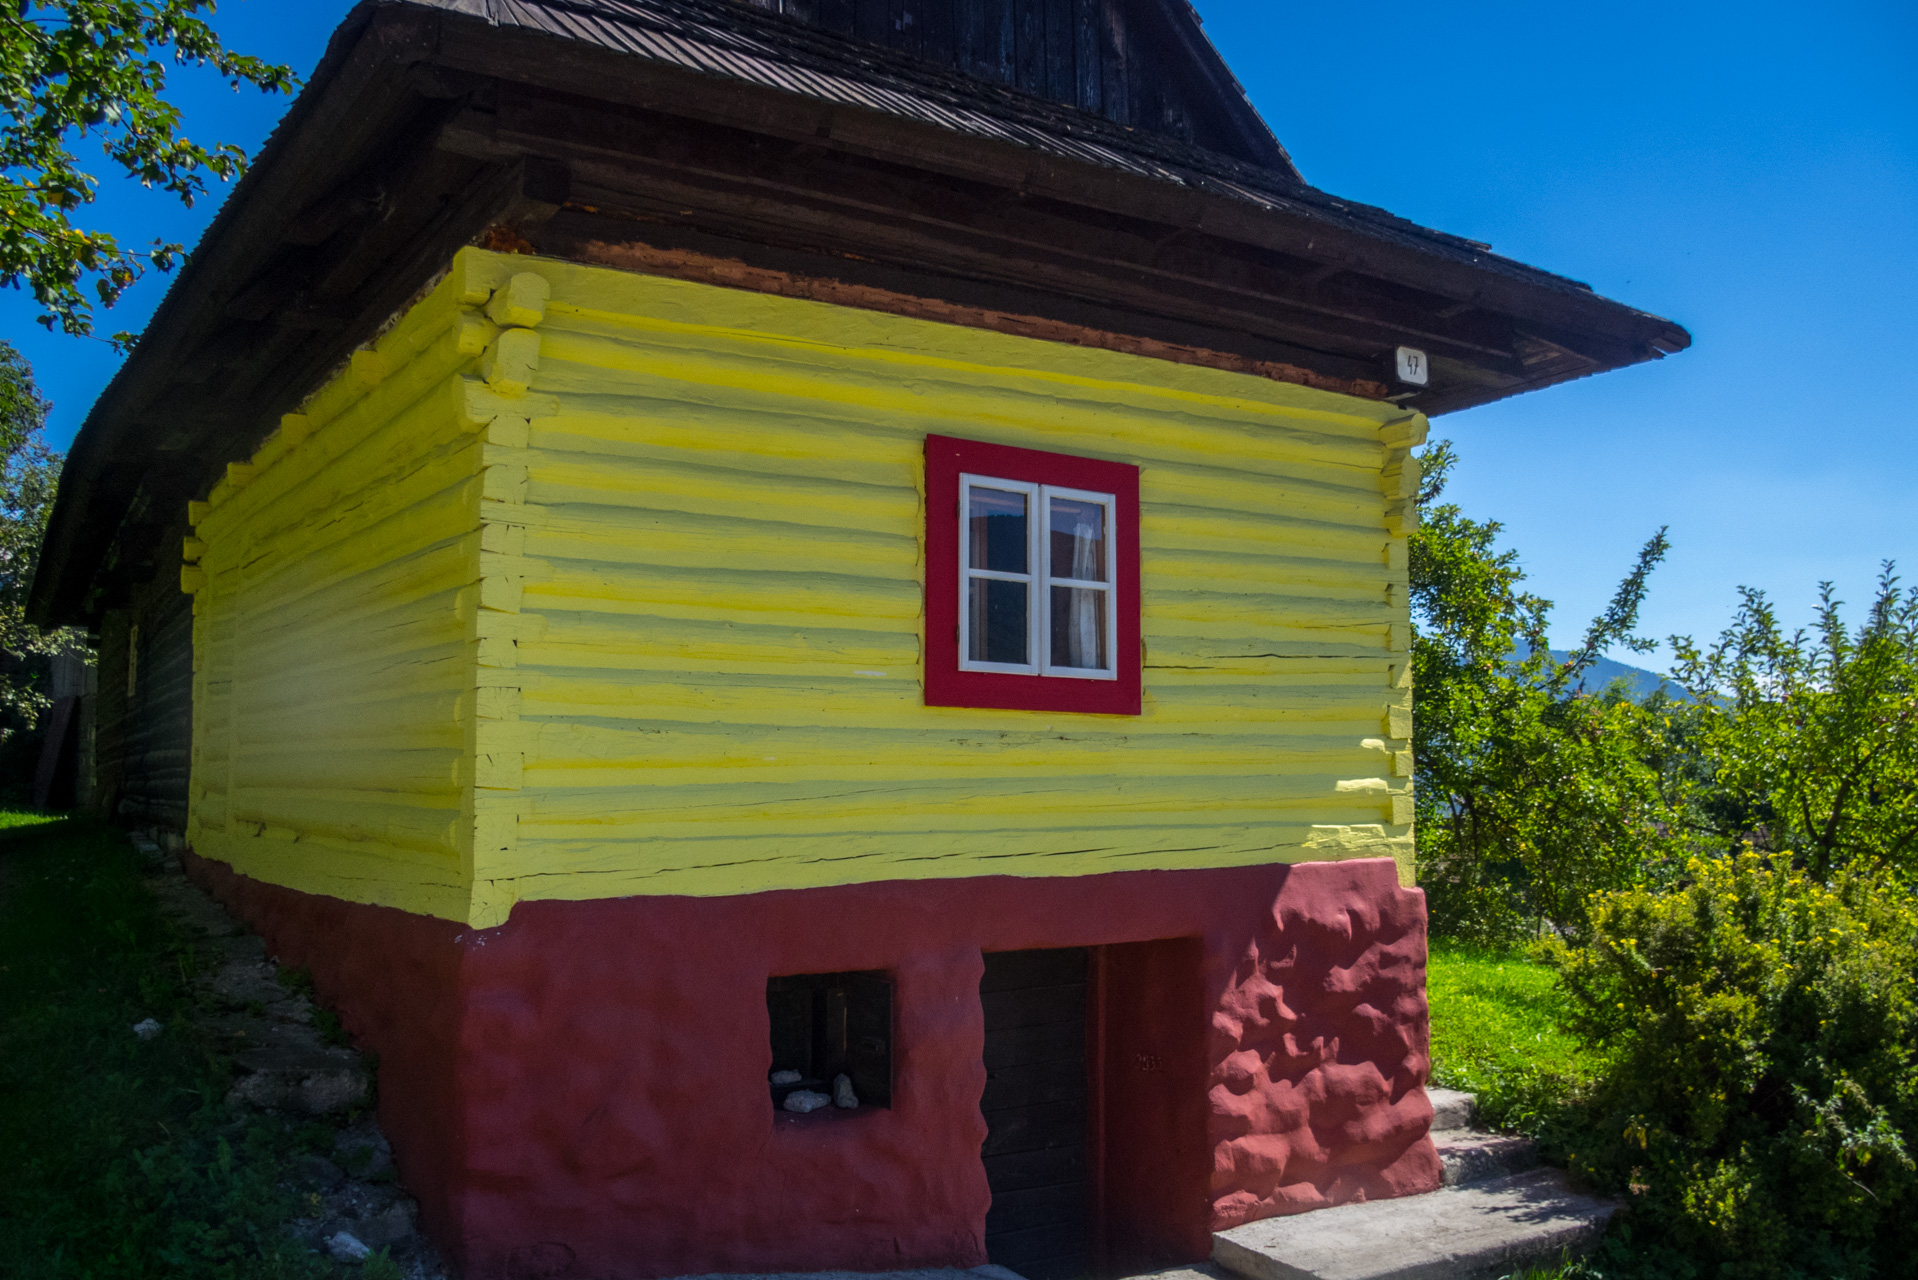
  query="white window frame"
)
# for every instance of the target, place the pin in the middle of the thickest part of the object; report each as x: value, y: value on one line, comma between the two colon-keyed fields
x: 1040, y: 580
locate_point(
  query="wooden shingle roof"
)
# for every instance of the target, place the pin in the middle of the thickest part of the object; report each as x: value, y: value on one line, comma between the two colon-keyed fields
x: 1145, y: 65
x: 741, y: 41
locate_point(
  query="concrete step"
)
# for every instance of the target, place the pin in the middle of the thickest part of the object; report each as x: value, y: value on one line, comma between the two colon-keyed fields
x: 1451, y: 1109
x: 1474, y: 1232
x: 1197, y: 1271
x: 1466, y: 1155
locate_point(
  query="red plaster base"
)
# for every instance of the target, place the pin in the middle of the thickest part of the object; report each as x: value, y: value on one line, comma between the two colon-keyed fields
x: 582, y: 1092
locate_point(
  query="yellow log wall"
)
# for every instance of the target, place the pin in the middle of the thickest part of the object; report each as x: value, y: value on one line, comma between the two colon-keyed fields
x: 334, y: 580
x: 611, y: 584
x: 716, y: 541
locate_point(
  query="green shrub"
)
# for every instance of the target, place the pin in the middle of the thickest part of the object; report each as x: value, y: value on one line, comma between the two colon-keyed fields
x: 1758, y: 1100
x: 1808, y: 741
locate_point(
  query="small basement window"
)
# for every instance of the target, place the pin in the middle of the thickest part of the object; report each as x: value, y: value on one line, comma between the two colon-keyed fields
x: 826, y: 1026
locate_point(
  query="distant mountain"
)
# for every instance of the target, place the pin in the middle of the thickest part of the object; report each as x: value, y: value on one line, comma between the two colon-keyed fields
x: 1640, y: 684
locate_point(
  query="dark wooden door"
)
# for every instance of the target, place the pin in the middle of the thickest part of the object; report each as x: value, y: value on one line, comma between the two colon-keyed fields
x: 1035, y: 1109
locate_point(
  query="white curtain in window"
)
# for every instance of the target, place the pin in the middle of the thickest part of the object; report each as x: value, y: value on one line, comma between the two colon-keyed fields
x: 1086, y: 623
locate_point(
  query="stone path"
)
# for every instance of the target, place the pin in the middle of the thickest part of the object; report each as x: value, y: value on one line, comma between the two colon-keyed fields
x: 1497, y: 1213
x: 283, y: 1063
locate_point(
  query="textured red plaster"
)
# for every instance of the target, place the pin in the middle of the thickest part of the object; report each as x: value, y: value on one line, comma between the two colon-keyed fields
x: 1319, y: 1046
x: 581, y: 1092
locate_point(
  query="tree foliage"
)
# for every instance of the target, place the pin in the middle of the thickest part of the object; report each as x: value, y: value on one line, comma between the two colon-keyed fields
x: 1532, y: 791
x: 1535, y: 790
x: 29, y: 477
x: 74, y: 69
x: 1808, y: 741
x: 1727, y: 874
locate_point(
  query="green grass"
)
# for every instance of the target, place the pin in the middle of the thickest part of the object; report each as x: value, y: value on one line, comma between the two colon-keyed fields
x: 24, y: 818
x: 1495, y: 1033
x: 121, y: 1159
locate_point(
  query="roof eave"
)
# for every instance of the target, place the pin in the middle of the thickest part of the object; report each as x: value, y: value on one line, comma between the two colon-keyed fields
x: 358, y: 74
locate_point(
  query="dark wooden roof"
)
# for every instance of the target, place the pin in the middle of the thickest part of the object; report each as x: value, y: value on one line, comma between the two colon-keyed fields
x: 712, y: 139
x: 1143, y: 64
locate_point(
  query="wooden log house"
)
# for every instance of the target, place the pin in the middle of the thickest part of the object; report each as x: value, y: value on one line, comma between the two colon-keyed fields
x: 686, y: 554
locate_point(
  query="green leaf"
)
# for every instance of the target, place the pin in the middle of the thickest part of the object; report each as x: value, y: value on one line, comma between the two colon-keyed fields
x: 93, y: 68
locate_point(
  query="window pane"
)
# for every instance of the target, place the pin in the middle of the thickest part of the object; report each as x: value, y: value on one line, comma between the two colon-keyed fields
x: 1078, y: 540
x: 1079, y: 628
x: 997, y: 521
x: 999, y: 627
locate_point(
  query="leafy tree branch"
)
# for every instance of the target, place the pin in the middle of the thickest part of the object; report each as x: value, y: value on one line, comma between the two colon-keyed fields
x: 78, y: 69
x: 29, y: 478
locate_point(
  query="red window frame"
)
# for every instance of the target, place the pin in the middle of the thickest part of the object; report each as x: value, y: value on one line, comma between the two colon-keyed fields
x: 947, y: 458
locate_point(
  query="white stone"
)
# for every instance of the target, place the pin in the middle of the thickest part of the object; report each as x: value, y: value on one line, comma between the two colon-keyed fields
x: 842, y: 1094
x: 347, y: 1247
x: 804, y: 1100
x: 146, y: 1029
x: 786, y: 1077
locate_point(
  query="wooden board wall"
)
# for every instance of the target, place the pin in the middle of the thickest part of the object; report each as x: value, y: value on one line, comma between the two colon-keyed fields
x: 143, y: 724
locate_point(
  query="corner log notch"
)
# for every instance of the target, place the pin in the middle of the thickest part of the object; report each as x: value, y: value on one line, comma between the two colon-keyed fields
x: 739, y: 147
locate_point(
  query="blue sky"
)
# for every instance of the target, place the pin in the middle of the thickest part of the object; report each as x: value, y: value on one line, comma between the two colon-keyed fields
x: 1749, y: 170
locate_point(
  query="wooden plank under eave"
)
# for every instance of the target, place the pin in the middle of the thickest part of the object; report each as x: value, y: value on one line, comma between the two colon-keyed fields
x: 946, y: 296
x: 1061, y: 83
x: 1001, y: 43
x: 919, y: 242
x: 872, y: 20
x: 938, y: 36
x: 1029, y: 45
x: 835, y: 16
x: 1087, y: 91
x: 1116, y: 103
